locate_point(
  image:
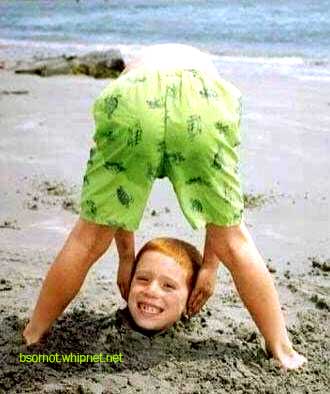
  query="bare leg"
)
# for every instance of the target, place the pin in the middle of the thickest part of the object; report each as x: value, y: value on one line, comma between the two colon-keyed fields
x: 85, y: 244
x: 235, y: 248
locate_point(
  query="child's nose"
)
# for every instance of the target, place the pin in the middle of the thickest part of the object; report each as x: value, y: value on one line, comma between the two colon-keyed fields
x: 153, y: 288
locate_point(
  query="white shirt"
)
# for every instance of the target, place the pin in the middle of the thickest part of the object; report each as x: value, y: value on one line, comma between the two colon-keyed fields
x: 172, y: 56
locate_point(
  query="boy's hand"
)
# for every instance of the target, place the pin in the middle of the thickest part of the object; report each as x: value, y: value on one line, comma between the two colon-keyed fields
x: 203, y: 289
x: 126, y: 253
x: 124, y: 277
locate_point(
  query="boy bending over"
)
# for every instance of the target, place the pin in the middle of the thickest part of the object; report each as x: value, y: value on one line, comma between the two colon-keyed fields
x: 168, y: 115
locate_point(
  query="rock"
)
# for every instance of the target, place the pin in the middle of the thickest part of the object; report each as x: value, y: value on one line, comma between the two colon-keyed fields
x: 98, y: 64
x: 271, y: 269
x: 32, y: 206
x: 292, y: 287
x: 45, y: 68
x: 321, y: 265
x: 12, y: 224
x: 10, y: 92
x: 320, y: 302
x: 71, y: 205
x: 5, y: 285
x: 106, y: 64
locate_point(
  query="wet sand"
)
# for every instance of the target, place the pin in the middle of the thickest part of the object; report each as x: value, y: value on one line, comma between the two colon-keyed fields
x: 46, y: 130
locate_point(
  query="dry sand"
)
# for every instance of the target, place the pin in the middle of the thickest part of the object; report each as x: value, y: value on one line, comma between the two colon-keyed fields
x: 46, y: 130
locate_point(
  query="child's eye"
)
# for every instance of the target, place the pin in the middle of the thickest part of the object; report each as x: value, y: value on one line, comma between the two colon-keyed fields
x: 169, y: 286
x: 142, y: 279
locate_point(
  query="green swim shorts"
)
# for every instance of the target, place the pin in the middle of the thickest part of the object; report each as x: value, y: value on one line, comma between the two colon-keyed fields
x: 181, y: 124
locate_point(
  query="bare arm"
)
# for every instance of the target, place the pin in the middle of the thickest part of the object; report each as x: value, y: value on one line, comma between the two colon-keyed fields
x: 126, y: 253
x: 206, y: 280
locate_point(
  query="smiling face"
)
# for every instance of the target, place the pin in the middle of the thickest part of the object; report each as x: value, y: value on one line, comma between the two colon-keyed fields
x: 159, y: 291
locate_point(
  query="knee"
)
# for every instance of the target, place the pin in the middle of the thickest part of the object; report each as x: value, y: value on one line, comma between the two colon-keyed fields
x: 93, y: 238
x: 228, y: 242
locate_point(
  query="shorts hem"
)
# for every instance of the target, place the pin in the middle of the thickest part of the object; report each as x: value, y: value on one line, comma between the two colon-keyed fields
x: 201, y: 225
x: 231, y: 223
x: 108, y: 223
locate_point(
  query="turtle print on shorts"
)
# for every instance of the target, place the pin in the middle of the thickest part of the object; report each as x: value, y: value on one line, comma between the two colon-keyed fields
x: 181, y: 124
x: 222, y: 128
x: 198, y: 180
x: 194, y: 126
x: 85, y: 180
x: 174, y: 157
x: 111, y: 104
x: 172, y: 91
x: 114, y: 166
x: 109, y: 134
x: 217, y: 161
x: 196, y: 205
x: 134, y: 135
x: 208, y: 93
x: 155, y: 103
x: 91, y: 207
x: 91, y: 154
x: 124, y: 197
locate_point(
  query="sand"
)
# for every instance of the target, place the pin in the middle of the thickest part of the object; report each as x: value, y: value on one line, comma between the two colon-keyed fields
x: 46, y: 130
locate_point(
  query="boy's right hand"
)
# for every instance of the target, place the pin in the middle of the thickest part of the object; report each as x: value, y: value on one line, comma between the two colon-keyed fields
x: 126, y: 253
x: 124, y: 277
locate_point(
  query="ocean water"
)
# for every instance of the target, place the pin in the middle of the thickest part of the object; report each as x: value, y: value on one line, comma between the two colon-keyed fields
x: 280, y: 32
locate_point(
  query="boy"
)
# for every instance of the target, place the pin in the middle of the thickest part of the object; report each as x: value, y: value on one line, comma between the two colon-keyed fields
x: 169, y: 114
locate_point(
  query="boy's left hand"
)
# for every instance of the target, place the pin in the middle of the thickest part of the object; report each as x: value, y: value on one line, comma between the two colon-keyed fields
x: 203, y: 289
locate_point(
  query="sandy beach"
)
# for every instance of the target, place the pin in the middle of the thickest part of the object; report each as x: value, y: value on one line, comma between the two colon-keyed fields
x: 46, y: 131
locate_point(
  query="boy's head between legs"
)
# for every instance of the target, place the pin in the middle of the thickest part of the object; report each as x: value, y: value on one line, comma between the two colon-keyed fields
x: 165, y: 273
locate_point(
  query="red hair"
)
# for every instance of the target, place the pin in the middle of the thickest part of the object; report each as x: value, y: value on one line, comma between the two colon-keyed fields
x: 185, y: 254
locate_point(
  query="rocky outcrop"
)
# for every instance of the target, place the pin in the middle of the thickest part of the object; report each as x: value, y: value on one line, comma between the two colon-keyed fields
x: 98, y: 64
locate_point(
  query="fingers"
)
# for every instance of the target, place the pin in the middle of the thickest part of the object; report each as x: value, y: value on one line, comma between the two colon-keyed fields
x: 197, y: 300
x: 124, y: 277
x: 191, y: 302
x: 124, y: 291
x: 196, y: 304
x: 124, y: 294
x: 202, y: 292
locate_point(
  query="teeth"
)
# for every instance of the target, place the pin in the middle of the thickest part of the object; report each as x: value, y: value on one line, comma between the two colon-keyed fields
x: 149, y: 309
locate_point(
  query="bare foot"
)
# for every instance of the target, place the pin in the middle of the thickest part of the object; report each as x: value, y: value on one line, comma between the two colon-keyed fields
x: 287, y: 357
x: 31, y: 337
x: 293, y: 360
